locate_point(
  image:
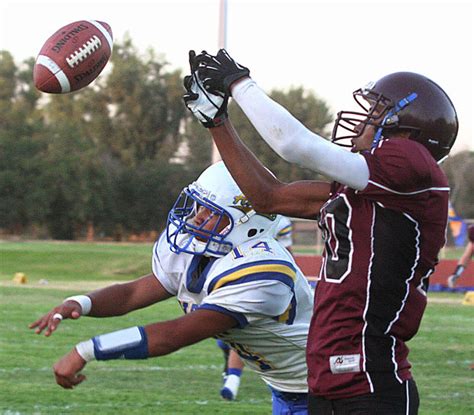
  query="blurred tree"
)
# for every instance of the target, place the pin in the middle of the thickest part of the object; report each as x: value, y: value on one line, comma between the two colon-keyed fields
x: 103, y: 140
x: 145, y: 108
x: 459, y: 168
x: 113, y: 156
x: 145, y: 195
x: 22, y: 202
x: 197, y: 148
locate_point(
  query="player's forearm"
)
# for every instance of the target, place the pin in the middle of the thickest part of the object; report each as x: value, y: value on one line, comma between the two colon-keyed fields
x: 294, y: 142
x: 110, y: 301
x: 467, y: 255
x: 120, y: 299
x: 253, y: 178
x: 265, y: 192
x: 157, y: 339
x: 139, y: 342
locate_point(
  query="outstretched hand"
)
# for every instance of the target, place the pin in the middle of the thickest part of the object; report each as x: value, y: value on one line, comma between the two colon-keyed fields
x: 210, y: 108
x: 219, y: 72
x: 66, y: 370
x: 51, y: 320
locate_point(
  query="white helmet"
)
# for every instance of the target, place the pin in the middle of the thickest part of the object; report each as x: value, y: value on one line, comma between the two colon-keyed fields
x: 216, y: 190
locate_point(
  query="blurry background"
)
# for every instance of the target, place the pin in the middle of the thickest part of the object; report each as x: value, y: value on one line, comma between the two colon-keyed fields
x: 107, y: 162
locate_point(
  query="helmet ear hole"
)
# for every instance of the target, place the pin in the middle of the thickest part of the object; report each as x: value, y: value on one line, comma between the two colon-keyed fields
x: 252, y: 232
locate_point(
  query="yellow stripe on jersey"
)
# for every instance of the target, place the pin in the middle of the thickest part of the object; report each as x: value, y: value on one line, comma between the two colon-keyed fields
x: 283, y: 318
x: 285, y: 230
x: 269, y: 268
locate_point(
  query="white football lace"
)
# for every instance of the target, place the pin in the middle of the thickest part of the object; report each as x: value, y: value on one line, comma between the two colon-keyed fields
x: 83, y: 52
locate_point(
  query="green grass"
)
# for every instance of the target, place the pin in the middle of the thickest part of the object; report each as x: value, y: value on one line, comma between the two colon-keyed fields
x: 188, y: 381
x: 66, y: 261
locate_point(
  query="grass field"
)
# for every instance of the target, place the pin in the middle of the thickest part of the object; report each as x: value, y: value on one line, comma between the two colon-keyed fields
x: 188, y: 381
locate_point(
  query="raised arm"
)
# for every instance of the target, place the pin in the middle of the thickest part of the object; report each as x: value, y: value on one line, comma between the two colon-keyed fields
x: 283, y: 132
x: 301, y: 199
x: 266, y: 193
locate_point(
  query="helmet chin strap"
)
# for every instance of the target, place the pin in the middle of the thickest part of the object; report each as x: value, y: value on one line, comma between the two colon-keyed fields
x: 392, y: 117
x: 200, y: 246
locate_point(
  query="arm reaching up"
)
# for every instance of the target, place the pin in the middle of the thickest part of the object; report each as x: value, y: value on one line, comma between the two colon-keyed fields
x: 287, y: 136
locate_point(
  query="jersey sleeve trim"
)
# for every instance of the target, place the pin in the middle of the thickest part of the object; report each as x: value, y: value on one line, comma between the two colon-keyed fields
x: 239, y: 317
x: 429, y: 189
x: 285, y: 231
x: 281, y: 271
x: 288, y: 317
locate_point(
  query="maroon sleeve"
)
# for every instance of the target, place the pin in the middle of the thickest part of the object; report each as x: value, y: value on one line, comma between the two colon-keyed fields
x: 401, y: 174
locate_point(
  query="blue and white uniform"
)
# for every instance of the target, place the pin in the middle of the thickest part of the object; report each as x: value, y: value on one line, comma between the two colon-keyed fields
x: 260, y: 285
x: 284, y: 232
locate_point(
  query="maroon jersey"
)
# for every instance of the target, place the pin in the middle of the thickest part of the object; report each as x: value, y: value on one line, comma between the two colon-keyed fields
x: 470, y: 233
x: 381, y: 245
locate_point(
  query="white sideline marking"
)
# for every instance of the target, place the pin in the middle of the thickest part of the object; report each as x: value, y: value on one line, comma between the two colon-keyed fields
x: 122, y: 369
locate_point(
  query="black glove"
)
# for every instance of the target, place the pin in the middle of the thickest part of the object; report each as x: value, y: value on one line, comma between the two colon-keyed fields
x: 217, y: 73
x: 209, y: 108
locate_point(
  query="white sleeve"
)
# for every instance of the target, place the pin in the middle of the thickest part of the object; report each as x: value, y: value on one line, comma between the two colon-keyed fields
x: 295, y: 143
x: 169, y: 283
x: 283, y: 232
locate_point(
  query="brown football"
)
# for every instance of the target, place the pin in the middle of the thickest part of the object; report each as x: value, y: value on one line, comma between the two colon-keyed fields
x: 73, y: 57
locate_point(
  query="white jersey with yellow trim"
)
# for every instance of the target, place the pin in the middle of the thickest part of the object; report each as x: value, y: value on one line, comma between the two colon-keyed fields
x: 260, y: 285
x: 284, y: 232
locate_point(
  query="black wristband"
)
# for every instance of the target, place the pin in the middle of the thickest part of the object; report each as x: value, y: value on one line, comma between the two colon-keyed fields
x: 215, y: 122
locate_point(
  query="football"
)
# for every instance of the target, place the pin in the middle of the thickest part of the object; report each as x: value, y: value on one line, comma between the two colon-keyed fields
x: 73, y: 57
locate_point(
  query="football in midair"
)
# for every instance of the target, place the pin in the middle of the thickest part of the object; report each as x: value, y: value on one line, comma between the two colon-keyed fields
x: 73, y: 57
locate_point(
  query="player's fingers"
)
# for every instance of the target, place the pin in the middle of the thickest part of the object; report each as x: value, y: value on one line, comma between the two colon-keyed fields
x: 187, y: 82
x: 53, y: 323
x: 75, y: 315
x: 78, y: 379
x: 41, y: 324
x: 192, y: 57
x: 63, y: 381
x: 202, y: 57
x: 34, y: 324
x: 69, y: 382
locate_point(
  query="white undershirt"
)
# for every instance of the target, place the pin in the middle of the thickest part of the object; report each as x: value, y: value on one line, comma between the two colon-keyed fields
x: 292, y: 141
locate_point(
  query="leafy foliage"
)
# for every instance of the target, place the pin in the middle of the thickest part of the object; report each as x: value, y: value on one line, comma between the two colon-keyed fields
x: 113, y: 156
x: 459, y: 170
